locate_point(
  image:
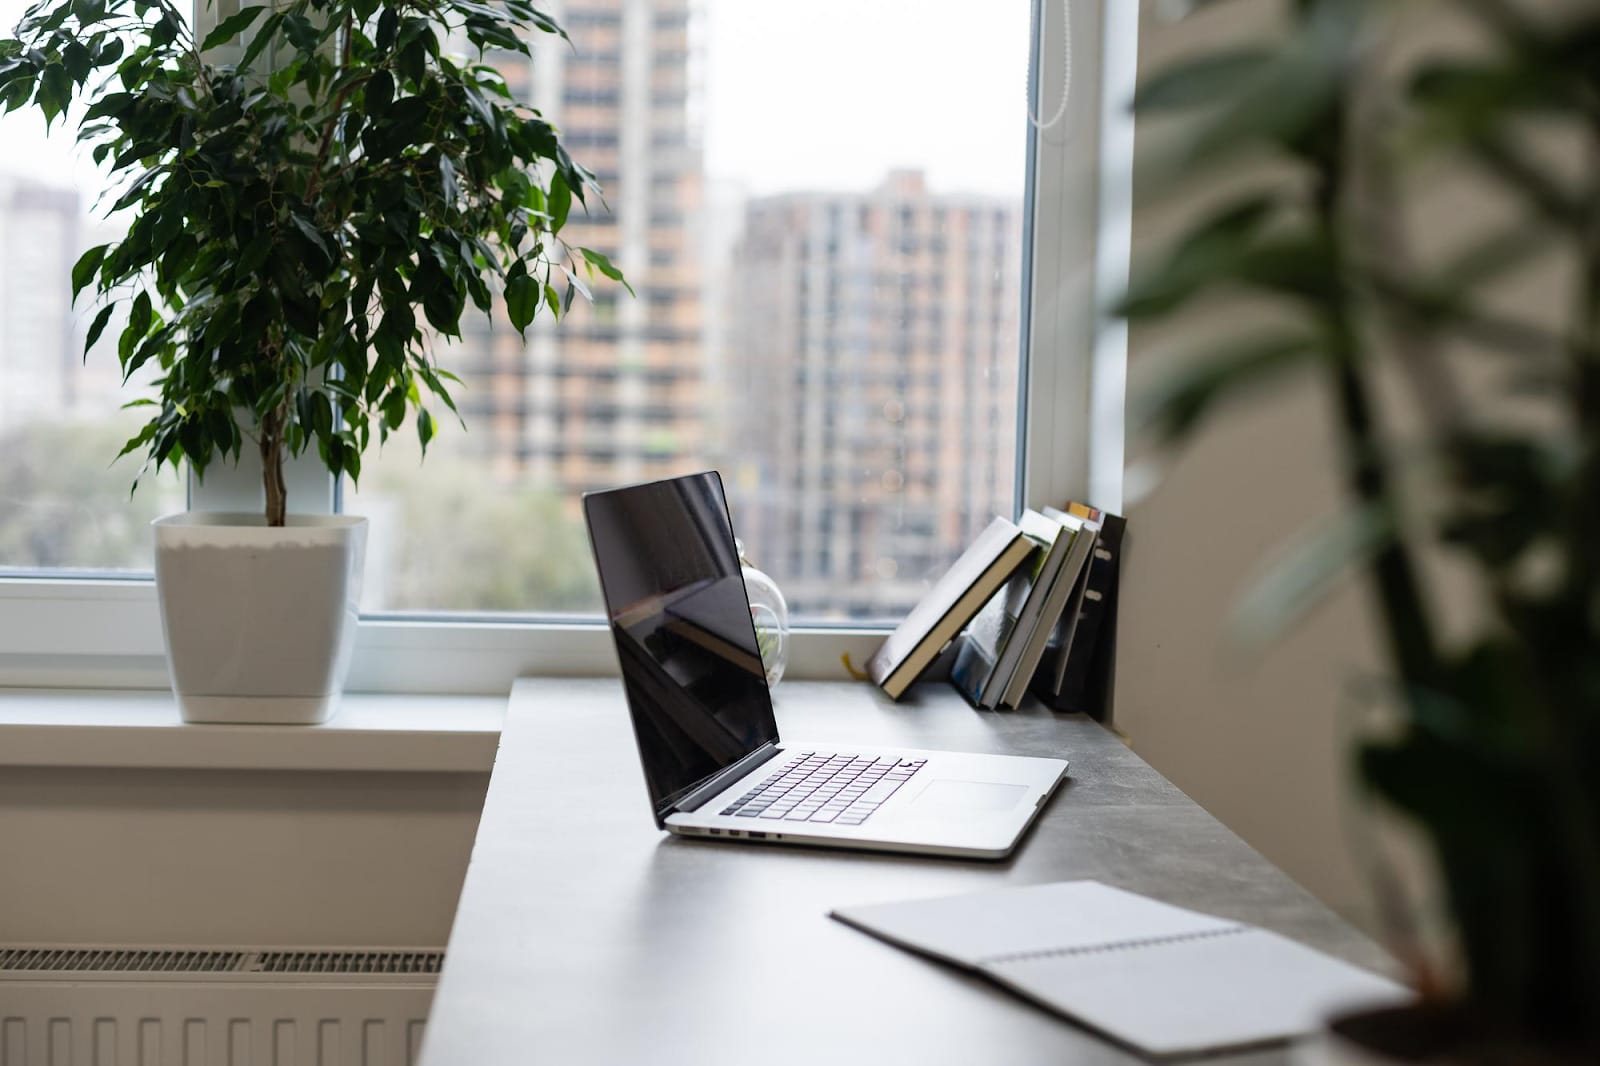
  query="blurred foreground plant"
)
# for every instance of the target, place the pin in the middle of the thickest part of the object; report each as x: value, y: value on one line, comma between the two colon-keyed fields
x: 1497, y: 756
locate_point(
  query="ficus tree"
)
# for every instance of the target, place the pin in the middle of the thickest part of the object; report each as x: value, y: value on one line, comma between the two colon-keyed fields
x: 316, y: 190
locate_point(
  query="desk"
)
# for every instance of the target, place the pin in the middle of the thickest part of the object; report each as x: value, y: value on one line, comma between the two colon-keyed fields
x: 584, y: 935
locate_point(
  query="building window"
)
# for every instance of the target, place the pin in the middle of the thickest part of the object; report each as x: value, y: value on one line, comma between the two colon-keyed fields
x: 774, y: 187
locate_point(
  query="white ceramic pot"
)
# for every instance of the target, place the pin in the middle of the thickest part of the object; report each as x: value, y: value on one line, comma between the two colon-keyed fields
x: 259, y: 621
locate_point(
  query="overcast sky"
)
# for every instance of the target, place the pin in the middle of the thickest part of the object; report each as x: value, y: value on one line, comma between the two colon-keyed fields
x: 826, y: 94
x: 832, y: 93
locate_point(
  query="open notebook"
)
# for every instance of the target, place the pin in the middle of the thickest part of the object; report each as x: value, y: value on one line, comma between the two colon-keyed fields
x: 1157, y: 978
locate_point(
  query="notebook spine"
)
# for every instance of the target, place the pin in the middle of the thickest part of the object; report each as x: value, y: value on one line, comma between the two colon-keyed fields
x: 1115, y: 945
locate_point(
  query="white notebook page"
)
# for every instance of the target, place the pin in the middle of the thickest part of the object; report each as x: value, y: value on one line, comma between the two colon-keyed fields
x: 1159, y: 978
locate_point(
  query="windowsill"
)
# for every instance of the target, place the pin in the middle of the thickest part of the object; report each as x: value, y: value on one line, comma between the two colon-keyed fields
x: 135, y: 729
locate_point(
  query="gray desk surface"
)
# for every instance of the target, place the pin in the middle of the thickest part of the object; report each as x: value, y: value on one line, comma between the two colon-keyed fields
x: 584, y: 935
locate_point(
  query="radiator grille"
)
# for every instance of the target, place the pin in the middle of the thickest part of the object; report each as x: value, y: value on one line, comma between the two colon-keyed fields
x: 177, y: 961
x: 406, y: 962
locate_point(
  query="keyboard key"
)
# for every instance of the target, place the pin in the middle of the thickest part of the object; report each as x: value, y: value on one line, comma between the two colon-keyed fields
x: 880, y: 791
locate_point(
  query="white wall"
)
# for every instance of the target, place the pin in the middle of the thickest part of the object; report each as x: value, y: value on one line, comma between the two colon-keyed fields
x: 1254, y: 739
x: 233, y: 857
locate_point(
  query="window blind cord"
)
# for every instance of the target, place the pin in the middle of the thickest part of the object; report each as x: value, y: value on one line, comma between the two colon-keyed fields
x: 1066, y: 64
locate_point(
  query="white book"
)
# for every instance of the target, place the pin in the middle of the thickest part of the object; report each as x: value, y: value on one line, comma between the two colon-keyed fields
x: 1160, y: 979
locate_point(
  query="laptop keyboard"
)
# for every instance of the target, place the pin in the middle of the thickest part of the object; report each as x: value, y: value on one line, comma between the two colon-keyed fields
x: 818, y: 787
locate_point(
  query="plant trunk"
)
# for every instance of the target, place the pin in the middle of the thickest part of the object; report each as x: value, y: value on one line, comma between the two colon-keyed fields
x: 277, y: 492
x: 1405, y: 613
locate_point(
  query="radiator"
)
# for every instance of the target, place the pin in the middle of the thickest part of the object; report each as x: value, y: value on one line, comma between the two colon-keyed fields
x: 78, y: 1006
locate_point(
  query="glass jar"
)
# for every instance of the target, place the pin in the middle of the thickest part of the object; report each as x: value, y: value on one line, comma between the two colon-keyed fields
x: 770, y: 613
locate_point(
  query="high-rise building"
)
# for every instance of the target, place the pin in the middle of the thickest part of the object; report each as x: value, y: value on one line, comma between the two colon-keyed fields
x: 614, y: 392
x: 875, y: 435
x: 38, y: 245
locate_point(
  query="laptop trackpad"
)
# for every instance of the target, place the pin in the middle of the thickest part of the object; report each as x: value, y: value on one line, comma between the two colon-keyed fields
x: 967, y: 797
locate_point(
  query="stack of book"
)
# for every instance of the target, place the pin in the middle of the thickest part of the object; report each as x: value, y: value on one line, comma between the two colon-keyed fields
x: 1030, y: 605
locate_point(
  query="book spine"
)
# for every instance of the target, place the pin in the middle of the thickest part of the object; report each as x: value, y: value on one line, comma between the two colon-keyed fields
x: 1082, y: 678
x: 1028, y: 620
x: 1062, y: 598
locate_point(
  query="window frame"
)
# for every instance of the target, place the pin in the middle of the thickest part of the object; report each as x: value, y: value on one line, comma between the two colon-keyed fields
x: 106, y: 632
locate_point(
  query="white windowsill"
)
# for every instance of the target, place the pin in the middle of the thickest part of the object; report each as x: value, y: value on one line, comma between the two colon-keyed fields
x: 141, y: 729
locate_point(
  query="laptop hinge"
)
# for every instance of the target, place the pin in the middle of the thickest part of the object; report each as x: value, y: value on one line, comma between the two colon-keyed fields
x: 727, y: 776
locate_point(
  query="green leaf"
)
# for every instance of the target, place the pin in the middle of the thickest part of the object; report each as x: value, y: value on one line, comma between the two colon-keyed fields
x: 75, y: 58
x: 603, y: 264
x: 379, y: 93
x: 1302, y: 577
x: 575, y: 282
x: 1202, y: 80
x: 351, y: 454
x: 264, y: 36
x: 1207, y: 254
x: 1180, y: 399
x: 139, y: 317
x: 311, y: 234
x: 55, y: 91
x: 447, y: 181
x: 231, y: 27
x: 84, y: 269
x: 301, y: 33
x: 388, y: 27
x: 412, y: 62
x: 522, y: 300
x: 425, y: 428
x: 559, y: 203
x: 97, y: 327
x: 442, y: 307
x: 139, y: 440
x: 136, y: 190
x: 394, y: 408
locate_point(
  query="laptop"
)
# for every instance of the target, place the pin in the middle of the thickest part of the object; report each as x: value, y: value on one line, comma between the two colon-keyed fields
x: 714, y: 763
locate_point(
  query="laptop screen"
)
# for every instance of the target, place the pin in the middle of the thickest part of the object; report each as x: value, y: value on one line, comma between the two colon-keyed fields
x: 679, y: 614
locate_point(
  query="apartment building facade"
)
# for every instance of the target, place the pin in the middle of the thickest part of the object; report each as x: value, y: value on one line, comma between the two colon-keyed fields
x: 39, y: 241
x: 613, y: 392
x: 877, y: 366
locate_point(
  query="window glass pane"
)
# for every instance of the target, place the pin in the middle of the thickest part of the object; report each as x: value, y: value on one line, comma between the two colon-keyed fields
x: 63, y: 503
x: 820, y: 209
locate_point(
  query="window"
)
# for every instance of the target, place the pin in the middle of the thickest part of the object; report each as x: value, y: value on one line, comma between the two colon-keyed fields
x: 852, y: 176
x: 63, y: 505
x: 813, y: 240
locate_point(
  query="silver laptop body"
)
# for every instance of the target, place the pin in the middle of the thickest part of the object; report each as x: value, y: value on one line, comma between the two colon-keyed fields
x: 708, y: 740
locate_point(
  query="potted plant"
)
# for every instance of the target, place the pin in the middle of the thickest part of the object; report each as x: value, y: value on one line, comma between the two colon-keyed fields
x: 1335, y: 133
x: 315, y: 191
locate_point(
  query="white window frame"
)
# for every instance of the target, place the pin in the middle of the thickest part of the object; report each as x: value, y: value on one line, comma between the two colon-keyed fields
x: 107, y: 633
